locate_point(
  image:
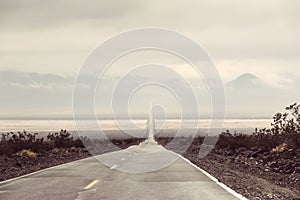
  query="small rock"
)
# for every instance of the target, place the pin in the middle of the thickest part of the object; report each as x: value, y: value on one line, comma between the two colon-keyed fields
x: 230, y: 153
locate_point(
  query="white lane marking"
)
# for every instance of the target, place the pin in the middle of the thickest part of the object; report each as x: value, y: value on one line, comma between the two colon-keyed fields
x: 114, y: 166
x: 1, y: 192
x: 91, y: 184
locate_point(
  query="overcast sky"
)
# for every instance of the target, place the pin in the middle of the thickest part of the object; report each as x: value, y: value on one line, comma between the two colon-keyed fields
x: 43, y: 44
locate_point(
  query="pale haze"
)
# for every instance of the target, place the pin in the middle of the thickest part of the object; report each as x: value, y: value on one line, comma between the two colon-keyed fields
x: 254, y: 45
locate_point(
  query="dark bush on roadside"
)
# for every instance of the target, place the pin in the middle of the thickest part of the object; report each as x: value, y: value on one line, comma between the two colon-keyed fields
x: 63, y: 139
x: 262, y: 138
x: 12, y: 143
x: 285, y: 129
x: 235, y: 140
x: 286, y: 126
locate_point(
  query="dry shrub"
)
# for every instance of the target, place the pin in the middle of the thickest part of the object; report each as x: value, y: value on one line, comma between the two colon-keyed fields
x: 59, y: 150
x: 56, y: 150
x: 63, y: 139
x: 280, y: 148
x: 11, y: 143
x: 27, y: 153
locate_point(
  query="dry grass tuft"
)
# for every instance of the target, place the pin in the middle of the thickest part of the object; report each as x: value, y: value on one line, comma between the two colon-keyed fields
x: 280, y: 148
x: 58, y: 150
x: 27, y: 153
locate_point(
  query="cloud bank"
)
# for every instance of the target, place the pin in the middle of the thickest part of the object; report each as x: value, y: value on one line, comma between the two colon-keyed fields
x: 34, y: 95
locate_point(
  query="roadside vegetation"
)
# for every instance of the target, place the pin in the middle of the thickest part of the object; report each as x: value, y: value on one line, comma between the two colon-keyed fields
x: 22, y: 142
x: 261, y: 165
x: 283, y: 134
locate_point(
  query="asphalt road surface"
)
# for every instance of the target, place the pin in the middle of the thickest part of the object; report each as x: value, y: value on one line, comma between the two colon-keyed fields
x: 134, y: 173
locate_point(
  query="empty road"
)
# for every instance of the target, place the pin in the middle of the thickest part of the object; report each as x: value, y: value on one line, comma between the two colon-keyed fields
x: 121, y: 177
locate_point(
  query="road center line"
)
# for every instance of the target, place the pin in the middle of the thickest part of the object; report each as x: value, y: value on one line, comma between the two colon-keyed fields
x: 114, y: 166
x: 91, y: 184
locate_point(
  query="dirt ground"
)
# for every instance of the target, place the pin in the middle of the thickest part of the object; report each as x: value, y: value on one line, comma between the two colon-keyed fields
x: 249, y: 176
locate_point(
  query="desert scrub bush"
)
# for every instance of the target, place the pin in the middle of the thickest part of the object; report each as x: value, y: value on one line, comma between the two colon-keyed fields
x: 286, y: 126
x: 63, y: 139
x: 13, y: 142
x: 233, y: 141
x: 284, y: 133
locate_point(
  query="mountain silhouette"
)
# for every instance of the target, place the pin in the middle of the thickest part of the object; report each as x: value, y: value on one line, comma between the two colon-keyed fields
x: 245, y: 81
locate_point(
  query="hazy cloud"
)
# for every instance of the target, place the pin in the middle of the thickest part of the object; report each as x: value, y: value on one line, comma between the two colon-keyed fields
x: 53, y: 38
x: 36, y: 14
x: 49, y: 95
x: 33, y: 80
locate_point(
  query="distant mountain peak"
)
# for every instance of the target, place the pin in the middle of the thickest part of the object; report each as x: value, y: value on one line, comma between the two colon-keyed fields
x: 248, y: 76
x: 244, y: 81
